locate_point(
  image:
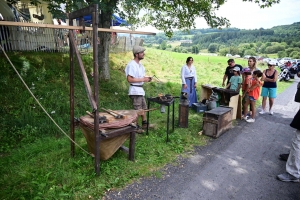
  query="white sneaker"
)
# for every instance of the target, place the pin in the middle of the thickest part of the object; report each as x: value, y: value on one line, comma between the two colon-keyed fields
x: 262, y: 112
x: 250, y: 120
x: 271, y: 112
x: 245, y: 117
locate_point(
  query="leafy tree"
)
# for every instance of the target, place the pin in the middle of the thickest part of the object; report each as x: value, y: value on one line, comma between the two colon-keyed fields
x: 162, y: 14
x: 223, y: 51
x: 195, y: 49
x: 163, y: 45
x: 160, y: 40
x: 295, y: 54
x: 250, y: 52
x: 281, y: 54
x: 213, y: 47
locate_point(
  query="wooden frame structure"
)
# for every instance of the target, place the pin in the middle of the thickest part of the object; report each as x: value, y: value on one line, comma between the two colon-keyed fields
x: 93, y: 96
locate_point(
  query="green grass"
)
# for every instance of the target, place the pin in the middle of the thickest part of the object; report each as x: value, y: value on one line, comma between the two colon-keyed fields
x: 35, y: 157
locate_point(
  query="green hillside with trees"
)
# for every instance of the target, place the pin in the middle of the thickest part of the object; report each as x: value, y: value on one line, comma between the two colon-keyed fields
x: 284, y: 41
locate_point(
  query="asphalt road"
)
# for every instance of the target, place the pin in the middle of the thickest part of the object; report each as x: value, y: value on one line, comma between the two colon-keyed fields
x: 241, y: 164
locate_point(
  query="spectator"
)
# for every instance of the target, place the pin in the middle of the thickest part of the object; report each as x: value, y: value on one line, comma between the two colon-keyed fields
x: 269, y: 88
x: 253, y: 93
x: 235, y: 81
x: 229, y: 71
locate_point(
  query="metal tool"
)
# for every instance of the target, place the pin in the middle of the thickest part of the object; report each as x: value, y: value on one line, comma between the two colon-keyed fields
x: 102, y: 119
x: 113, y: 113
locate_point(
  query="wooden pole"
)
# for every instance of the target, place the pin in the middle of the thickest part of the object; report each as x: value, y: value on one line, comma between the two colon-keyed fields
x: 9, y: 23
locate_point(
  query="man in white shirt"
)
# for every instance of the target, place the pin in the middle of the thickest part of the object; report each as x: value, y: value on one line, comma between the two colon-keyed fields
x: 135, y: 74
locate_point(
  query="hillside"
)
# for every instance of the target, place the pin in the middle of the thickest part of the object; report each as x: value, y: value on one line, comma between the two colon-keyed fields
x: 281, y: 40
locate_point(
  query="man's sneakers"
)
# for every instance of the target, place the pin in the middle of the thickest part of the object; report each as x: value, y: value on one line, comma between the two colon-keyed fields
x: 262, y: 112
x: 250, y: 120
x: 284, y: 157
x: 286, y: 177
x: 271, y: 112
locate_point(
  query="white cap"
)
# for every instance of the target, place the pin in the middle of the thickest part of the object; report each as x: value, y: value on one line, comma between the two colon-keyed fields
x: 271, y: 63
x: 237, y: 69
x: 138, y: 49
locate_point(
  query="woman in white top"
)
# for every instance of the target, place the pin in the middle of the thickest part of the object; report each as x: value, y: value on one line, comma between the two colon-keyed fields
x: 189, y: 80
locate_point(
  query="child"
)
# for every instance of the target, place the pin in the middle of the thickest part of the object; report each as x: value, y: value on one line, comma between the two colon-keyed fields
x: 253, y: 93
x: 235, y: 81
x: 246, y: 73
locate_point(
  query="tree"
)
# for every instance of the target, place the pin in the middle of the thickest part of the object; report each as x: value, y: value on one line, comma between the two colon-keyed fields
x: 163, y: 45
x: 163, y: 15
x: 213, y: 47
x: 281, y: 54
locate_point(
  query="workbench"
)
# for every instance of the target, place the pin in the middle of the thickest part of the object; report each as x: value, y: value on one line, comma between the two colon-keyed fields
x: 165, y: 103
x: 112, y: 134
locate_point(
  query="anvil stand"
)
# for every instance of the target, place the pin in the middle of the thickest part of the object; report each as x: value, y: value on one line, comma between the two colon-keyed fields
x: 166, y: 103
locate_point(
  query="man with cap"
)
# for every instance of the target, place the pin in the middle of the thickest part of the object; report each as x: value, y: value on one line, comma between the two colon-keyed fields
x: 229, y: 71
x: 135, y: 74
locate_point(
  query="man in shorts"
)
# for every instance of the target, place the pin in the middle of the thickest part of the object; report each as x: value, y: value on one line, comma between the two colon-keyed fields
x: 135, y: 74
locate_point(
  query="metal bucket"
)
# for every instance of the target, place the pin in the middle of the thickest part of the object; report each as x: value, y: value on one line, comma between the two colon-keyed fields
x: 211, y: 105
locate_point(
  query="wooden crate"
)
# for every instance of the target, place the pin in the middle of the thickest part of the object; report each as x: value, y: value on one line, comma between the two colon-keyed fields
x: 217, y: 121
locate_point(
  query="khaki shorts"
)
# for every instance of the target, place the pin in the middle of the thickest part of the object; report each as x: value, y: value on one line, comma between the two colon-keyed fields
x: 138, y: 102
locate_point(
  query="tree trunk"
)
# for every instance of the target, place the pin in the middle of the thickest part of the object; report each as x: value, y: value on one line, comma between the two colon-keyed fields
x: 103, y: 47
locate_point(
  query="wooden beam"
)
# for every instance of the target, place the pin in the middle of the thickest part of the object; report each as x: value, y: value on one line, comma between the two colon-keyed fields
x: 9, y: 23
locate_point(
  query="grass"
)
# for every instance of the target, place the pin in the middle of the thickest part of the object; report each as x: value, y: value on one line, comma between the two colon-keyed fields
x: 35, y: 157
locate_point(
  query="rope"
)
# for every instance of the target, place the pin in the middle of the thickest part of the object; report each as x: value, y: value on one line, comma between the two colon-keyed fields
x: 41, y: 104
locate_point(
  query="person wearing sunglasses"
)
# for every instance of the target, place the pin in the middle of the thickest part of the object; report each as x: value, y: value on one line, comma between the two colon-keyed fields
x: 189, y: 80
x: 269, y: 87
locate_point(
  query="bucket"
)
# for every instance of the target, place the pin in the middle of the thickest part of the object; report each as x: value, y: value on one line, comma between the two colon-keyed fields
x: 211, y: 105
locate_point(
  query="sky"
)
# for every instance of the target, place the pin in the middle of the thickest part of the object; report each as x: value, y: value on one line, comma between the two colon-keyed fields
x: 247, y: 15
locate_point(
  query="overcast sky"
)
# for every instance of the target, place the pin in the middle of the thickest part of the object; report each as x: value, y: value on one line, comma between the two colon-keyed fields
x: 247, y: 15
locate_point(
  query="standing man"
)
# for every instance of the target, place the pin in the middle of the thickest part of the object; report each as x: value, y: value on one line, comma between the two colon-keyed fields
x: 229, y: 71
x: 292, y: 168
x: 135, y: 74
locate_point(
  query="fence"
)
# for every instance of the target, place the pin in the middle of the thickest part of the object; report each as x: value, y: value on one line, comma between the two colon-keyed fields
x: 21, y: 38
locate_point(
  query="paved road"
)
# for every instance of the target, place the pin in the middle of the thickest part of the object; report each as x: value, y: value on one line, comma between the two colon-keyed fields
x: 241, y: 164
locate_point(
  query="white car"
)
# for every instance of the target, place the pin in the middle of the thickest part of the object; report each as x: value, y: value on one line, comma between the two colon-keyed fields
x: 284, y: 60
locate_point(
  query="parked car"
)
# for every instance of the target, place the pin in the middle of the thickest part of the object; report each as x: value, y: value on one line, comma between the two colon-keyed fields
x: 228, y: 55
x: 237, y: 56
x: 273, y: 60
x: 284, y: 60
x: 247, y: 57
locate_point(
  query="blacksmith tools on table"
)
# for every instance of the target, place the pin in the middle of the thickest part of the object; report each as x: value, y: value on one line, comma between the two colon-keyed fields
x: 113, y: 113
x: 102, y: 119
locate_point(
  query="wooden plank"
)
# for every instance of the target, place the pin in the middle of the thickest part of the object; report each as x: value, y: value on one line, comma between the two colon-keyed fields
x: 9, y: 23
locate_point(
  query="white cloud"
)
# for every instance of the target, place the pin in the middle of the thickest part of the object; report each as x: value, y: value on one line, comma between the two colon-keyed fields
x: 247, y: 15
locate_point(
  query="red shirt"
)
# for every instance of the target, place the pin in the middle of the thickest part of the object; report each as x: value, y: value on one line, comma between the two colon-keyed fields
x: 247, y: 81
x: 254, y: 89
